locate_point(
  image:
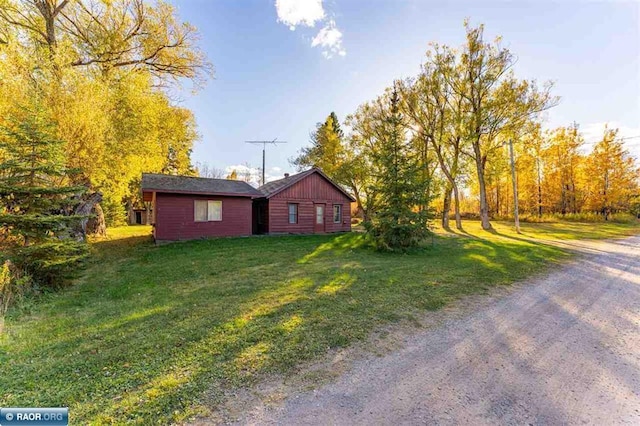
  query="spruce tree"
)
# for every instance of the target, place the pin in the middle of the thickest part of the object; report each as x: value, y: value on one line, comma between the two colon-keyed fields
x: 36, y: 204
x: 399, y: 223
x: 335, y: 125
x: 326, y: 151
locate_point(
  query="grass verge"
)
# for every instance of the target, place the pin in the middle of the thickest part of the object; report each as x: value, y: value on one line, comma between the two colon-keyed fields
x: 149, y: 329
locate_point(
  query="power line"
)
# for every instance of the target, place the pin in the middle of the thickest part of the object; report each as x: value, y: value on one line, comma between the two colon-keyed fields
x: 618, y: 139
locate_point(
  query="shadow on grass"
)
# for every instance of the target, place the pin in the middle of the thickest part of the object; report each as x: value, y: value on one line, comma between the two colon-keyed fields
x: 150, y: 330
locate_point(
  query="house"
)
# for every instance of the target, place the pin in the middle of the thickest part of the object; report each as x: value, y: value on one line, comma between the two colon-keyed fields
x: 139, y: 216
x: 139, y: 213
x: 187, y: 207
x: 305, y: 203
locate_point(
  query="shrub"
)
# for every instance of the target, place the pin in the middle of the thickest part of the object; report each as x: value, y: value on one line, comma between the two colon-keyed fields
x: 14, y: 285
x: 589, y: 217
x: 389, y: 235
x: 53, y: 263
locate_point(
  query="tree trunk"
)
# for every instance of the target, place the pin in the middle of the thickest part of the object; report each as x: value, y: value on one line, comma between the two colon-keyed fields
x: 359, y: 203
x: 606, y: 188
x: 456, y: 206
x: 450, y: 174
x: 96, y: 225
x: 539, y: 189
x: 482, y: 187
x: 446, y: 207
x: 48, y: 12
x: 84, y: 209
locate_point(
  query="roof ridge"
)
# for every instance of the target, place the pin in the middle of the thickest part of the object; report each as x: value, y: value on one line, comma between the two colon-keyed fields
x: 195, y: 184
x: 194, y: 177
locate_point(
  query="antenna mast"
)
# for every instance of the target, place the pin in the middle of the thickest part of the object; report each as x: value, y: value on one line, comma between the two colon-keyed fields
x: 264, y: 147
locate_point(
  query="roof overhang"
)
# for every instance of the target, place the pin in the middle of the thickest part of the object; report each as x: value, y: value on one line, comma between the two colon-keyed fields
x: 214, y: 194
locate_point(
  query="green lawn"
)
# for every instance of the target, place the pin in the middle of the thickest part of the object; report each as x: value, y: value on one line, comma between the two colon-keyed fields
x: 149, y: 329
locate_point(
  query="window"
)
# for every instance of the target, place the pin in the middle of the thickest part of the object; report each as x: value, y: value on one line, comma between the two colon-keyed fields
x: 207, y: 211
x: 293, y: 213
x: 319, y: 214
x: 337, y: 213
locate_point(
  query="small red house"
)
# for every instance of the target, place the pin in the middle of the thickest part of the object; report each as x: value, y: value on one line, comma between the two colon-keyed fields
x: 187, y: 207
x: 305, y: 203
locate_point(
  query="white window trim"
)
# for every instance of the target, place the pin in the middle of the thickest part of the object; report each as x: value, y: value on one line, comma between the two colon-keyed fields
x: 209, y: 211
x: 297, y: 212
x: 320, y: 208
x: 334, y: 213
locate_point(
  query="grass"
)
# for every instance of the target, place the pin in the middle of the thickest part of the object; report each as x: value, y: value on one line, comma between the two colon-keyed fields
x: 148, y: 330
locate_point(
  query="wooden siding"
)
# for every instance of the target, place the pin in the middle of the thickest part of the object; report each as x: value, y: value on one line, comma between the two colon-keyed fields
x: 133, y: 220
x: 175, y: 217
x: 313, y: 186
x: 313, y: 189
x: 279, y: 216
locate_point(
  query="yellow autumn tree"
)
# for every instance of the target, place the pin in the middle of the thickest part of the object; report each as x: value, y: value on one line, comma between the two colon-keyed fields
x: 612, y: 176
x: 563, y: 160
x: 104, y: 70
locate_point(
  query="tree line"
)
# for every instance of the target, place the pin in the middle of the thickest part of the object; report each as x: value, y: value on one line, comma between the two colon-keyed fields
x: 106, y: 74
x: 456, y: 118
x: 88, y: 101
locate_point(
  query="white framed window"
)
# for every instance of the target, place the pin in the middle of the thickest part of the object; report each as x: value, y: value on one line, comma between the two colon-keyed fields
x: 293, y: 213
x: 319, y: 214
x: 207, y: 211
x: 337, y: 213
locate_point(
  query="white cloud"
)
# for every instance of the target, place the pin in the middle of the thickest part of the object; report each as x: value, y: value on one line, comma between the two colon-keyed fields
x: 307, y: 13
x: 245, y: 172
x: 299, y: 12
x: 329, y: 38
x: 253, y: 175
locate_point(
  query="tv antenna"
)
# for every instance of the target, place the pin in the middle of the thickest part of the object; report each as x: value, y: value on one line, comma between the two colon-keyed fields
x: 264, y: 148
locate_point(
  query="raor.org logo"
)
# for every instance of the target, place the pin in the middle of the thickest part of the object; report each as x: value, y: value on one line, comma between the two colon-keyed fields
x: 15, y: 416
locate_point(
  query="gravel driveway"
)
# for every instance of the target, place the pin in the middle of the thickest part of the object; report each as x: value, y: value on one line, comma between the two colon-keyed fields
x: 564, y: 349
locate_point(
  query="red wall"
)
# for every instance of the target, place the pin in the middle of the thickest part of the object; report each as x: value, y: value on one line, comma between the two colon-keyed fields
x: 312, y: 189
x: 174, y: 217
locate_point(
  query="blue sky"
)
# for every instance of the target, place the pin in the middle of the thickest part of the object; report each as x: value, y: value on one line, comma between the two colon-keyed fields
x: 273, y: 82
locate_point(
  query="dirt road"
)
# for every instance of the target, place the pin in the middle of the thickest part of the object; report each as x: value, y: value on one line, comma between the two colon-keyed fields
x: 562, y: 350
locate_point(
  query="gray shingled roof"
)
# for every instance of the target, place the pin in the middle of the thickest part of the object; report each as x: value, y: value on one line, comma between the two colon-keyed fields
x: 196, y: 185
x: 273, y: 187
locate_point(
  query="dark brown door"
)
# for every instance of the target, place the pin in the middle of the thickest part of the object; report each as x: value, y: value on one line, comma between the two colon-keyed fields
x: 318, y: 220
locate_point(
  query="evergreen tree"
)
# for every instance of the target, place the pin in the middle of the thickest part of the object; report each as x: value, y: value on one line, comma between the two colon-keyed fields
x: 327, y: 149
x: 36, y: 206
x: 335, y: 125
x: 399, y: 223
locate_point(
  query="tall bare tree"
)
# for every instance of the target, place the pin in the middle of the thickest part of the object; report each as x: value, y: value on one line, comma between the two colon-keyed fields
x: 435, y: 110
x: 105, y: 35
x: 496, y: 104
